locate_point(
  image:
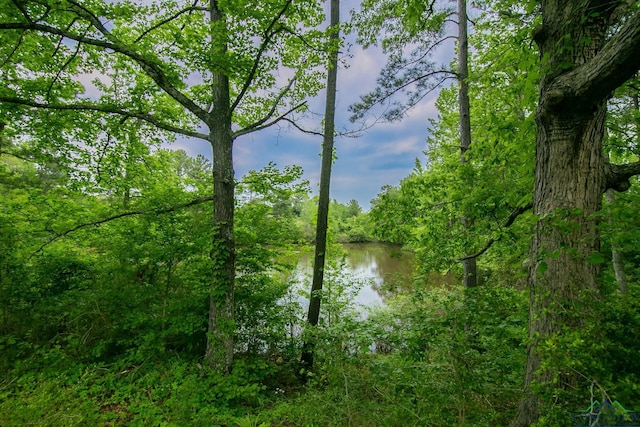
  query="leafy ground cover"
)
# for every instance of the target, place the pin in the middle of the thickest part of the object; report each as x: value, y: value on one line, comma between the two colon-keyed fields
x: 436, y: 363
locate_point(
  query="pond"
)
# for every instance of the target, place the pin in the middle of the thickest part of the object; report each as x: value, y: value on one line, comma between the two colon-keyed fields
x: 376, y: 265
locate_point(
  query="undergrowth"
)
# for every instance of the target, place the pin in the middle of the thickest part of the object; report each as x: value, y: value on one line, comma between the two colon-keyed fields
x: 432, y: 358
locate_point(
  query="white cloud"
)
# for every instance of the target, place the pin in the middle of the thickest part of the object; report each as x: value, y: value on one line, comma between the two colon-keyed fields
x: 87, y: 81
x: 192, y: 147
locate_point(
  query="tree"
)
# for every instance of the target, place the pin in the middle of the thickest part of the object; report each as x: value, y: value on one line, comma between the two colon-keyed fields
x: 424, y: 212
x: 266, y: 203
x: 172, y: 68
x: 353, y: 208
x: 393, y: 212
x: 422, y: 26
x: 409, y: 32
x: 587, y: 50
x: 623, y: 135
x: 469, y: 277
x: 265, y: 227
x: 322, y: 223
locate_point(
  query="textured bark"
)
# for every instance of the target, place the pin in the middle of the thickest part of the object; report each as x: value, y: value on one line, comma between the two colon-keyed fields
x: 568, y: 190
x: 570, y: 176
x: 470, y: 276
x: 313, y: 314
x: 220, y: 337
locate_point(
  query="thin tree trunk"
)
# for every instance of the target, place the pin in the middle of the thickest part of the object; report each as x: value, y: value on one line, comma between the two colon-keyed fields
x: 469, y: 264
x: 313, y: 314
x: 126, y: 196
x: 221, y: 327
x: 617, y: 259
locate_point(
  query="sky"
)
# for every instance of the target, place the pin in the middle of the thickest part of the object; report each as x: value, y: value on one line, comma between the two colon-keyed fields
x: 382, y: 155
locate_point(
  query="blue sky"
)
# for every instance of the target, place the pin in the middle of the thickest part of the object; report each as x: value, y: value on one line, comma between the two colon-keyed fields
x: 382, y: 155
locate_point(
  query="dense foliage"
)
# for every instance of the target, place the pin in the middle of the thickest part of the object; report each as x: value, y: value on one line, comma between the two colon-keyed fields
x: 106, y: 248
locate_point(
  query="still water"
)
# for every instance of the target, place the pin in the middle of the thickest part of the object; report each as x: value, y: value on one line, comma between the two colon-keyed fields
x: 378, y: 267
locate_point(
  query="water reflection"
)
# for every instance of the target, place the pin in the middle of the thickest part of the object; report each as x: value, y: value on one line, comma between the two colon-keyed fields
x: 387, y: 263
x: 382, y: 268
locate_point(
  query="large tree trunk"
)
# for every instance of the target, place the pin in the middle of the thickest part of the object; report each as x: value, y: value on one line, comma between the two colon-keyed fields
x: 569, y: 184
x: 313, y: 314
x: 579, y: 72
x: 464, y: 107
x: 221, y: 328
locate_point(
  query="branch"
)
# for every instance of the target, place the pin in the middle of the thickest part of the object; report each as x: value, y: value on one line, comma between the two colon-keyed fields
x: 301, y: 129
x: 618, y: 175
x: 380, y: 96
x: 22, y: 10
x: 169, y: 19
x: 13, y: 51
x: 152, y: 69
x: 430, y: 49
x: 592, y: 82
x: 345, y: 133
x: 97, y: 223
x: 64, y: 66
x: 274, y: 107
x: 263, y: 125
x: 514, y: 215
x: 268, y: 34
x: 105, y: 109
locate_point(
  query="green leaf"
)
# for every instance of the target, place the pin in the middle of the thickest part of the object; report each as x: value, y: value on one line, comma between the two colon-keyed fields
x: 542, y: 267
x: 595, y: 258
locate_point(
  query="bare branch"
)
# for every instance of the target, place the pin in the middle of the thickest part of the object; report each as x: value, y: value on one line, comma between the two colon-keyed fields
x: 85, y: 13
x: 618, y: 175
x: 99, y: 222
x: 431, y: 48
x: 108, y: 110
x: 274, y: 107
x: 262, y: 124
x: 65, y: 65
x: 379, y: 96
x: 14, y: 50
x: 354, y: 133
x: 480, y: 252
x: 299, y: 37
x: 301, y: 129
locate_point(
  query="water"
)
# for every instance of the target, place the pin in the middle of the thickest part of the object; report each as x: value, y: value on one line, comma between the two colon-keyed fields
x: 380, y: 268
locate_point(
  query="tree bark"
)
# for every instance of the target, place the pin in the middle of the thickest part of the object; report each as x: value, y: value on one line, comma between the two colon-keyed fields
x: 570, y: 178
x: 469, y: 262
x: 313, y: 314
x: 221, y: 326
